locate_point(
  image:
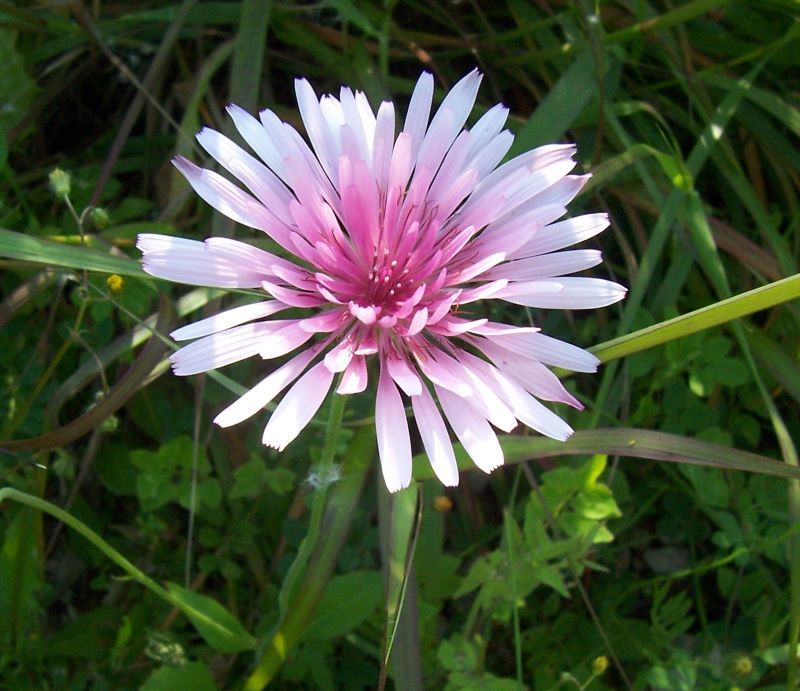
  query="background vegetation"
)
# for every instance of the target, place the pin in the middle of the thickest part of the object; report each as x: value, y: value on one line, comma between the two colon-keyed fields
x: 588, y: 570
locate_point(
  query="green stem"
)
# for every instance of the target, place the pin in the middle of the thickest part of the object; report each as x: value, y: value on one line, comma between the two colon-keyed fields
x: 342, y: 503
x: 338, y: 403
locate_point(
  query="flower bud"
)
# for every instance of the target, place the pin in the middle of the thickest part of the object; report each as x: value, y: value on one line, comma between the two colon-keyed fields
x: 60, y: 183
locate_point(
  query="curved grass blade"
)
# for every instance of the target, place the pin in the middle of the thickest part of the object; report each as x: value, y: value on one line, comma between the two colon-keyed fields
x: 404, y: 520
x: 626, y: 442
x: 216, y: 630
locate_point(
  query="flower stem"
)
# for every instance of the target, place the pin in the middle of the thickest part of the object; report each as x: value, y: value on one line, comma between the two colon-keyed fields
x: 341, y: 504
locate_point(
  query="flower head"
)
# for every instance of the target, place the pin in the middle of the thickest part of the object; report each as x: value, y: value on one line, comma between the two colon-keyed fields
x: 391, y: 239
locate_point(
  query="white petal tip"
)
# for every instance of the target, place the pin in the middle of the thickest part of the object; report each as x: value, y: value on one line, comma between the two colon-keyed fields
x: 395, y: 486
x: 223, y: 421
x: 449, y: 481
x: 489, y: 469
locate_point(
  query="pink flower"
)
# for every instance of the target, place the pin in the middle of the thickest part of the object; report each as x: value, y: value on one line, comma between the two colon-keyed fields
x: 392, y: 240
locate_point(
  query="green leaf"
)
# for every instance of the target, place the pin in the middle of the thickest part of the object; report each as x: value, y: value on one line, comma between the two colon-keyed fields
x: 350, y: 12
x: 404, y: 523
x: 250, y: 479
x: 347, y: 601
x: 214, y: 619
x: 193, y: 676
x: 550, y: 576
x: 32, y: 249
x: 16, y: 86
x: 19, y: 578
x: 166, y: 475
x: 626, y: 442
x: 562, y: 105
x: 704, y: 318
x: 596, y: 503
x: 218, y: 627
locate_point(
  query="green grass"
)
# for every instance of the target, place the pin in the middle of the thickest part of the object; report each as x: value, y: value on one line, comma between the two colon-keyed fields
x: 587, y: 565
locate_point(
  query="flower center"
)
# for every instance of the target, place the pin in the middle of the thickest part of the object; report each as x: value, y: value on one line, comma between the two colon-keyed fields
x: 387, y: 284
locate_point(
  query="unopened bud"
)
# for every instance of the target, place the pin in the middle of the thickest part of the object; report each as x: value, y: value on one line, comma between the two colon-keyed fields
x: 60, y: 183
x: 99, y: 218
x: 600, y: 665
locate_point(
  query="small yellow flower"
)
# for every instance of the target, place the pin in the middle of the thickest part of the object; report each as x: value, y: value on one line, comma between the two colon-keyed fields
x: 442, y: 503
x: 599, y: 665
x: 114, y: 283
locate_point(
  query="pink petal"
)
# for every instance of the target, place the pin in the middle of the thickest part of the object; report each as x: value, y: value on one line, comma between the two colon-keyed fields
x: 565, y: 233
x: 453, y: 326
x: 525, y: 407
x: 403, y: 375
x: 354, y: 379
x: 547, y: 265
x: 435, y: 438
x: 472, y: 430
x: 564, y: 293
x: 262, y: 393
x: 419, y: 109
x: 260, y: 180
x: 325, y: 146
x: 228, y: 199
x: 487, y: 290
x: 444, y: 371
x: 297, y: 407
x: 292, y: 297
x: 383, y: 144
x: 418, y: 322
x: 227, y: 319
x: 394, y: 444
x: 324, y: 322
x: 283, y: 337
x: 484, y: 400
x: 548, y: 350
x: 220, y: 349
x: 338, y: 358
x: 531, y: 375
x: 193, y: 262
x: 256, y: 136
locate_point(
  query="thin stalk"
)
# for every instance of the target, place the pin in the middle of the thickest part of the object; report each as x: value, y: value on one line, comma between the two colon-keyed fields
x: 10, y: 429
x: 704, y: 318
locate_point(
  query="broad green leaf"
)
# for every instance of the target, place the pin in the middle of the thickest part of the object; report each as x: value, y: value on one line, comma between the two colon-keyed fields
x: 218, y: 627
x: 193, y: 676
x: 347, y: 601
